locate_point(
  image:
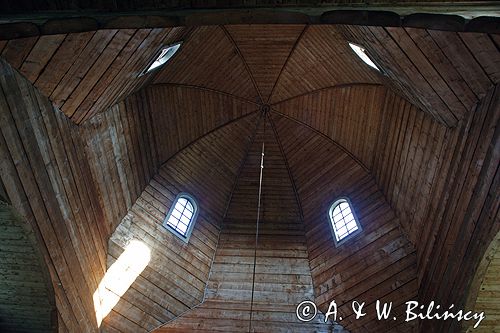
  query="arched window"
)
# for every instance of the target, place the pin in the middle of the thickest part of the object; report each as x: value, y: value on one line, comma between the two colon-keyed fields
x: 343, y: 220
x: 181, y: 216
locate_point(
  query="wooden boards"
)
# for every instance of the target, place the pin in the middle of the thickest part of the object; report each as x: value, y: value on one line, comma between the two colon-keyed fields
x: 182, y: 114
x: 72, y: 184
x: 211, y: 60
x: 442, y: 73
x: 45, y: 178
x: 350, y: 115
x: 378, y: 263
x: 282, y: 276
x: 27, y: 302
x: 175, y: 278
x: 443, y: 186
x: 88, y: 72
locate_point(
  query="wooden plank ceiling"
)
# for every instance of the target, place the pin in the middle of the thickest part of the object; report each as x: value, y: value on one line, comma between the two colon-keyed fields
x: 391, y: 140
x: 88, y: 72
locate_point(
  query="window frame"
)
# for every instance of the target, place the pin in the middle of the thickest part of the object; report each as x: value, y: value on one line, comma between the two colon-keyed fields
x: 193, y: 201
x: 157, y: 55
x: 334, y: 204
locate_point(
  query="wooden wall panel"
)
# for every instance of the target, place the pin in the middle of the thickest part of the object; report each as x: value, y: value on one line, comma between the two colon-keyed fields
x: 321, y: 59
x: 379, y: 262
x: 210, y: 59
x: 121, y: 152
x: 27, y: 302
x: 442, y: 73
x: 282, y: 276
x: 443, y: 184
x: 486, y: 297
x: 182, y: 114
x: 350, y: 115
x: 176, y: 276
x: 86, y: 73
x: 46, y: 180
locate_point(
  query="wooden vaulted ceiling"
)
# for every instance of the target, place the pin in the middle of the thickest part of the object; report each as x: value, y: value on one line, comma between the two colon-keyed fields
x: 338, y: 128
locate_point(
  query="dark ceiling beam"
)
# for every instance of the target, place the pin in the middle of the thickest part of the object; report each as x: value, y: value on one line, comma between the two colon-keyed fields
x: 477, y: 17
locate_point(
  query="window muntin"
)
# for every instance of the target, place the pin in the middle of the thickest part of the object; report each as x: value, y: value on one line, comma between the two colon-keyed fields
x: 165, y: 54
x: 182, y: 215
x: 343, y: 220
x: 361, y: 52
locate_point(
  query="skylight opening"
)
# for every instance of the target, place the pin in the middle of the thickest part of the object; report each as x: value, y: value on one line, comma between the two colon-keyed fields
x: 361, y: 52
x: 343, y: 220
x: 165, y: 55
x: 182, y: 215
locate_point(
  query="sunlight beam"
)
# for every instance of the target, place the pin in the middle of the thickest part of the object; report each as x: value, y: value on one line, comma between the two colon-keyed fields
x: 120, y: 277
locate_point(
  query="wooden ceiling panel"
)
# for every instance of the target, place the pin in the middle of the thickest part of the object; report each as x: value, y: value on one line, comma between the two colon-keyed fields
x: 183, y: 114
x: 321, y: 59
x: 442, y: 73
x: 265, y: 49
x: 86, y: 73
x: 350, y: 115
x: 209, y: 59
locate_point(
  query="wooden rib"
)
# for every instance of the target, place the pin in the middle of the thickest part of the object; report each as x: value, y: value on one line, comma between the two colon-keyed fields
x: 211, y: 131
x: 344, y: 85
x: 323, y: 135
x: 207, y: 89
x: 278, y: 140
x: 286, y: 62
x: 228, y: 35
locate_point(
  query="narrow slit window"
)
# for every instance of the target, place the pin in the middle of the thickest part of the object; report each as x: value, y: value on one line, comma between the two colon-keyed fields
x: 361, y: 52
x: 182, y: 216
x: 165, y: 55
x: 343, y: 220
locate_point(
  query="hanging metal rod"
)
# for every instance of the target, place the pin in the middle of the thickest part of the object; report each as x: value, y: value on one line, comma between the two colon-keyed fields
x: 257, y: 231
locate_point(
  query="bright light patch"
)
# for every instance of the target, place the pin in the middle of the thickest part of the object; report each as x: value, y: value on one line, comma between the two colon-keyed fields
x: 165, y: 55
x: 361, y: 52
x: 120, y: 277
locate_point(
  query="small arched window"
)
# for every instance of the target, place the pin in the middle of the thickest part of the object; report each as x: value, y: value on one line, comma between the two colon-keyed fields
x: 343, y: 220
x: 182, y: 216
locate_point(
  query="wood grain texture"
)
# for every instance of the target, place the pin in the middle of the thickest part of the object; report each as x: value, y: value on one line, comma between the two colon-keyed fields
x: 72, y: 184
x: 282, y: 276
x: 378, y: 263
x: 350, y: 115
x: 210, y: 59
x: 181, y: 114
x: 176, y: 276
x: 321, y: 59
x: 442, y: 73
x: 265, y: 49
x: 443, y: 184
x: 486, y: 298
x: 43, y: 175
x: 86, y: 73
x: 27, y: 302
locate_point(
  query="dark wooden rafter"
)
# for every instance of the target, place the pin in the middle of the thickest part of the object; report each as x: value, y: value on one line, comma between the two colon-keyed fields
x: 228, y: 35
x: 286, y: 62
x: 434, y: 16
